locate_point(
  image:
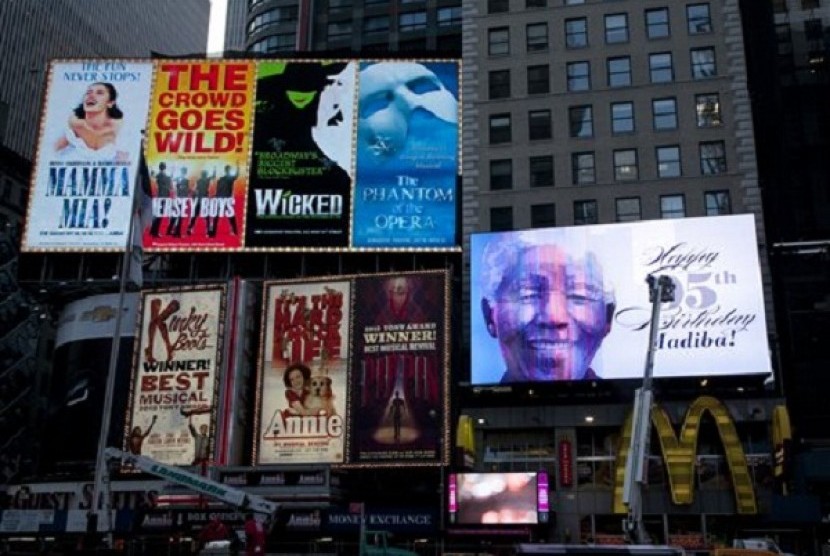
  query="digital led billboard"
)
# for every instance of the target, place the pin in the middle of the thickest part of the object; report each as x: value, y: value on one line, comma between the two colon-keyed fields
x: 572, y: 303
x: 175, y: 387
x: 81, y: 195
x: 498, y: 498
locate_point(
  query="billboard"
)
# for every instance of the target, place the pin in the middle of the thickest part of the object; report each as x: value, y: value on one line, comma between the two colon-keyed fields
x: 407, y: 154
x: 302, y: 378
x: 497, y: 498
x: 400, y: 353
x: 353, y: 370
x: 197, y: 154
x: 249, y: 155
x: 174, y: 391
x: 573, y: 304
x: 81, y: 195
x: 301, y: 182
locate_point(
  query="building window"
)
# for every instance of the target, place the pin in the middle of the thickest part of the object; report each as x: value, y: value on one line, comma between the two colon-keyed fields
x: 698, y: 19
x: 810, y: 4
x: 703, y: 63
x: 539, y: 124
x: 576, y: 33
x: 718, y: 202
x: 501, y: 219
x: 500, y: 129
x: 672, y: 206
x: 616, y: 28
x: 537, y: 37
x: 622, y: 117
x: 285, y: 42
x: 625, y: 165
x: 579, y: 76
x: 712, y: 158
x: 498, y: 41
x: 668, y: 161
x: 449, y: 16
x: 412, y: 21
x: 334, y: 5
x: 707, y: 108
x: 497, y: 6
x: 543, y: 216
x: 628, y: 209
x: 581, y: 120
x: 372, y: 25
x: 339, y: 30
x: 657, y: 23
x: 660, y: 67
x: 501, y: 174
x: 541, y: 171
x: 619, y: 71
x: 529, y: 4
x: 499, y: 84
x: 574, y: 2
x: 664, y: 111
x: 582, y: 165
x: 274, y: 16
x: 585, y: 212
x: 813, y: 29
x: 538, y: 79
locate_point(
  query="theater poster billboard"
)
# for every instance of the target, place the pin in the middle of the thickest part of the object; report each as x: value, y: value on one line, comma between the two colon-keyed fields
x: 197, y: 154
x: 573, y: 303
x: 174, y: 391
x: 301, y: 386
x: 81, y: 195
x: 407, y: 155
x: 302, y: 170
x: 400, y: 364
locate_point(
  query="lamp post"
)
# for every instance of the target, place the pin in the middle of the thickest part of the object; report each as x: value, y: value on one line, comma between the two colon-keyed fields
x: 100, y: 490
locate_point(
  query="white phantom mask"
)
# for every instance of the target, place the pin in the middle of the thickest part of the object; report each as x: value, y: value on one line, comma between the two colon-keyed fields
x: 390, y: 93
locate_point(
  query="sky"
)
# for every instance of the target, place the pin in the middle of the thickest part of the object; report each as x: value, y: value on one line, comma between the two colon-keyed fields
x: 216, y: 29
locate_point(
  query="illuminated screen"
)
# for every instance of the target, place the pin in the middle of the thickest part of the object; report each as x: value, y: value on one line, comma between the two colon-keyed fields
x: 496, y: 498
x: 563, y: 304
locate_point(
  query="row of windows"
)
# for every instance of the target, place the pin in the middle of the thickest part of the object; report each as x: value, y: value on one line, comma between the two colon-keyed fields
x: 618, y: 73
x: 285, y: 42
x: 616, y: 29
x: 287, y: 14
x: 664, y: 117
x: 626, y: 166
x: 627, y: 209
x: 407, y: 22
x: 780, y: 6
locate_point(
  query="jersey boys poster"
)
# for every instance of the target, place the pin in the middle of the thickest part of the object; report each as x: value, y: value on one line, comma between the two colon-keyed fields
x: 89, y: 150
x: 302, y: 161
x: 302, y: 374
x: 407, y: 155
x: 399, y: 370
x: 175, y: 379
x: 197, y: 154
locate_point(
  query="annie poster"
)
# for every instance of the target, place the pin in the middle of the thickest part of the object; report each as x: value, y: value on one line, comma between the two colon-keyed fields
x: 176, y: 375
x: 300, y: 194
x: 81, y: 196
x: 400, y: 367
x: 197, y: 154
x: 407, y: 155
x: 302, y: 376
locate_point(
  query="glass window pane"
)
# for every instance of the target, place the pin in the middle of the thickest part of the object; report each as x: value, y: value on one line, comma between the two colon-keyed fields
x: 660, y: 67
x: 703, y: 63
x: 665, y: 113
x: 501, y: 174
x: 499, y: 41
x: 698, y: 19
x: 718, y: 202
x: 583, y: 168
x: 581, y: 119
x: 541, y: 171
x: 576, y: 33
x: 537, y: 37
x: 628, y: 209
x: 707, y: 108
x: 619, y: 72
x: 668, y: 162
x: 657, y: 23
x: 538, y: 79
x: 543, y: 216
x: 579, y: 76
x: 672, y: 206
x: 616, y: 28
x: 622, y: 117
